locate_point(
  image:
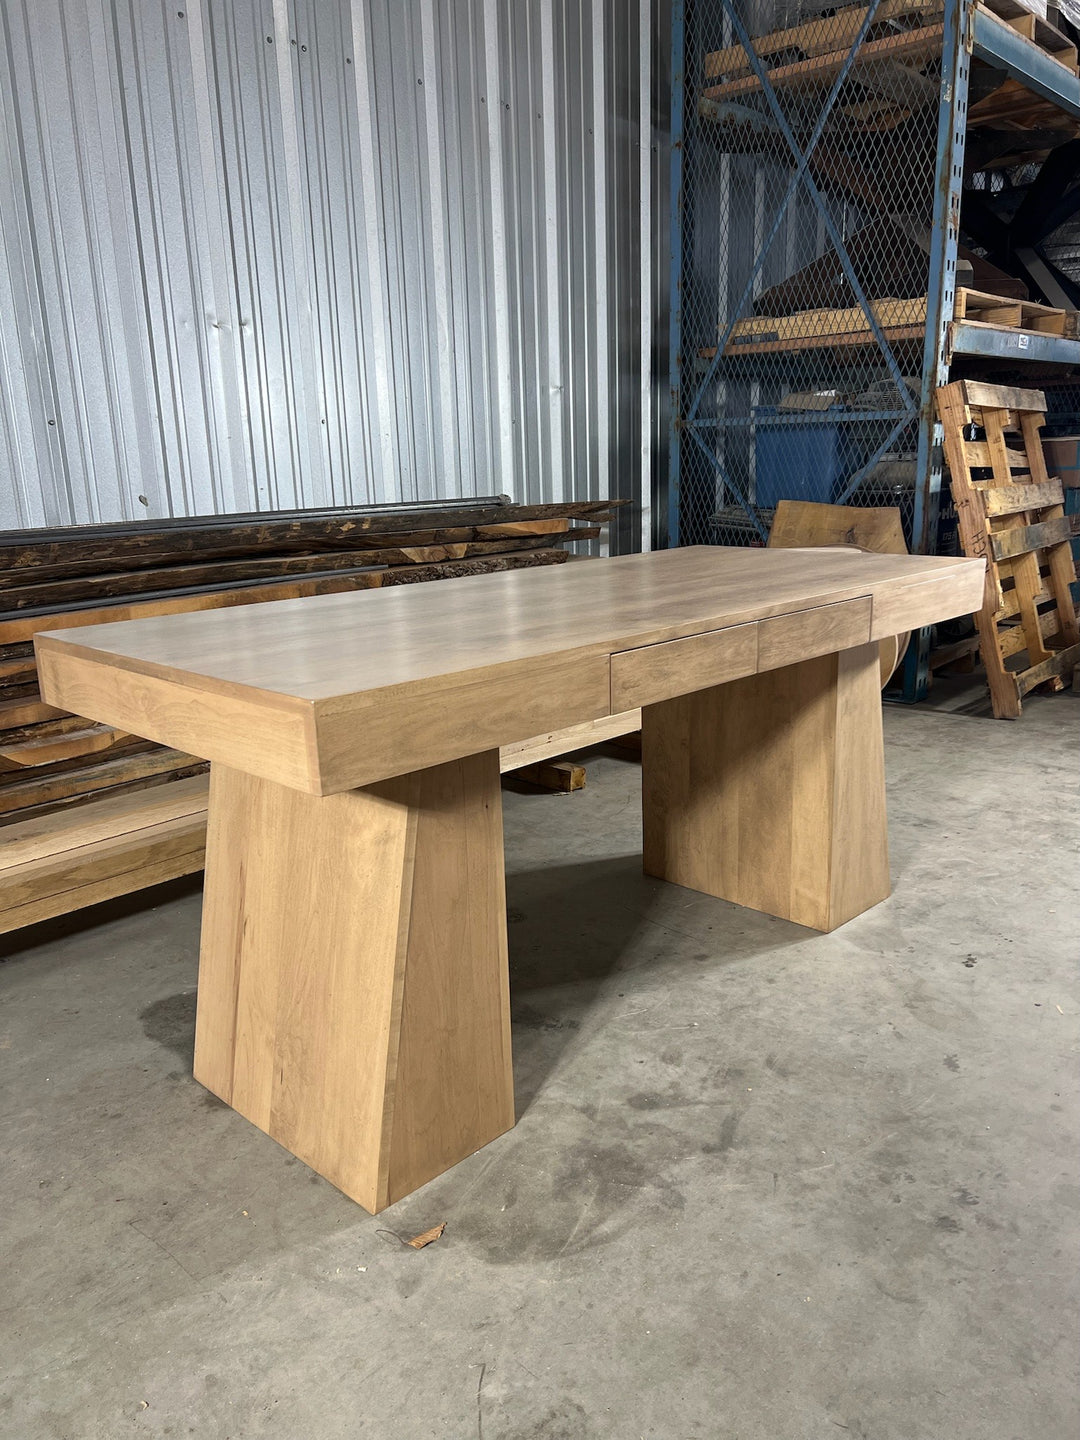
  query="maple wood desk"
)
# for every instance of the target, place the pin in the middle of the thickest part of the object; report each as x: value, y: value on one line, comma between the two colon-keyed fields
x: 353, y: 993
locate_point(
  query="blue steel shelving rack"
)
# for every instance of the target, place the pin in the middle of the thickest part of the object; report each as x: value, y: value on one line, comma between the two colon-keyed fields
x: 716, y: 398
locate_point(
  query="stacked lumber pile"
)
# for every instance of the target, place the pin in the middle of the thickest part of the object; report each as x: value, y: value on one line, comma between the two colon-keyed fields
x: 1010, y: 511
x: 87, y: 811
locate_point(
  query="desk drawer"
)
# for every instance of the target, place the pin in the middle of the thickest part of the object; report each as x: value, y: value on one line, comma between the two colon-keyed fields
x: 787, y: 639
x: 678, y: 667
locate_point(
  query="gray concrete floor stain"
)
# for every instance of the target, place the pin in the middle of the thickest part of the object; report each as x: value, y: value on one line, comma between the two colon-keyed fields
x: 765, y: 1185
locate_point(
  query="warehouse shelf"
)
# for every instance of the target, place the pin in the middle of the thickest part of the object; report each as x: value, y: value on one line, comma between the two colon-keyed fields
x: 998, y: 44
x: 967, y: 337
x: 818, y: 167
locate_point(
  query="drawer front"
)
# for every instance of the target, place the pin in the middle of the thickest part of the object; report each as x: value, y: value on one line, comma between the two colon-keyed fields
x: 787, y: 639
x: 678, y: 667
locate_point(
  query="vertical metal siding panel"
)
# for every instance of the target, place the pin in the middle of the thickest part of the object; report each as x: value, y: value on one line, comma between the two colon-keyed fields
x: 374, y: 260
x: 602, y: 252
x: 499, y: 228
x: 302, y: 252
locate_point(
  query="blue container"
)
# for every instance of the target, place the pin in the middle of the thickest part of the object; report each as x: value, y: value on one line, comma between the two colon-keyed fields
x: 800, y: 459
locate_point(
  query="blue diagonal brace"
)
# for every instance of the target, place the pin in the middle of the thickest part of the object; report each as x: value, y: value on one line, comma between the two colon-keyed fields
x: 729, y: 484
x: 803, y: 159
x: 801, y: 173
x: 860, y: 475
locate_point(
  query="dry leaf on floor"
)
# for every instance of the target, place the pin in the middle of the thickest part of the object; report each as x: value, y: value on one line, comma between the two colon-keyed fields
x: 419, y: 1241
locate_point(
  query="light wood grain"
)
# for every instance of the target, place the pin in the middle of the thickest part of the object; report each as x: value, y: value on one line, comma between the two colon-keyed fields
x: 770, y: 791
x: 54, y: 884
x: 676, y: 667
x: 918, y: 603
x: 879, y: 528
x: 565, y: 741
x: 396, y: 679
x: 353, y: 992
x: 790, y: 638
x: 800, y: 523
x: 64, y: 832
x: 27, y: 710
x: 454, y: 715
x: 269, y: 735
x: 25, y: 627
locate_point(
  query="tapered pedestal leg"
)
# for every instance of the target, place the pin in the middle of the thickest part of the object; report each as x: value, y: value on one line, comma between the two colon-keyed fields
x: 353, y: 986
x: 770, y: 791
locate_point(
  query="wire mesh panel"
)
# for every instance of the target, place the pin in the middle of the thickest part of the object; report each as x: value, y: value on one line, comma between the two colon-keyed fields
x: 803, y: 233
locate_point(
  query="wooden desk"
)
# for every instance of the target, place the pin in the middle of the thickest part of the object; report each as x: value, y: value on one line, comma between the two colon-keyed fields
x: 353, y: 992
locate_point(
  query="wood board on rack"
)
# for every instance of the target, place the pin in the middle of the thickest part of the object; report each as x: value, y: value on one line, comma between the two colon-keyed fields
x: 897, y: 320
x: 814, y: 51
x: 1010, y: 512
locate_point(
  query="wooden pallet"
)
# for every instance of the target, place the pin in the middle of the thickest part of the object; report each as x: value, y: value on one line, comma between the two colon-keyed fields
x: 983, y: 308
x: 1034, y: 28
x: 1010, y: 511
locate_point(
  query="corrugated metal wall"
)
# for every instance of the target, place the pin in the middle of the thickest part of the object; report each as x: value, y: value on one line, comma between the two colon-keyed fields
x: 279, y: 253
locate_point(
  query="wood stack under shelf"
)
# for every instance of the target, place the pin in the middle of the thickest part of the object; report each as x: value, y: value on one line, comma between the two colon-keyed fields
x: 87, y: 811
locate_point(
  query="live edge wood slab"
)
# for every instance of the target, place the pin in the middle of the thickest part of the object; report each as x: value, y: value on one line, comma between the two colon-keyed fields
x: 353, y: 993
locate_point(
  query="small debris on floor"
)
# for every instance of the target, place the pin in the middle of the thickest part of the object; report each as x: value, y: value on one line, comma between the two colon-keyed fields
x: 428, y: 1237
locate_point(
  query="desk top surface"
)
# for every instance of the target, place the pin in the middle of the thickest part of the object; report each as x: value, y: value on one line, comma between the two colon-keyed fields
x: 337, y: 691
x: 330, y: 646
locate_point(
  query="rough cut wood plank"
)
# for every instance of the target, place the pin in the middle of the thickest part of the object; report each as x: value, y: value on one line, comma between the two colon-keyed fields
x: 55, y: 884
x: 1060, y: 663
x: 1001, y: 397
x: 1011, y: 499
x: 47, y: 749
x: 801, y: 522
x: 240, y: 535
x: 56, y: 788
x: 19, y: 670
x: 816, y: 36
x: 138, y: 865
x: 461, y: 569
x: 562, y: 776
x: 908, y: 48
x: 1008, y: 543
x: 63, y: 832
x: 14, y: 713
x: 272, y: 568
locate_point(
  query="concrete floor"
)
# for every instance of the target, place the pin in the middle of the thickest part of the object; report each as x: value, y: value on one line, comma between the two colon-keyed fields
x: 766, y: 1185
